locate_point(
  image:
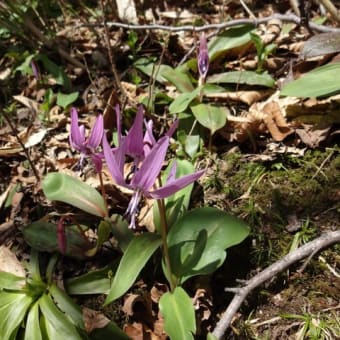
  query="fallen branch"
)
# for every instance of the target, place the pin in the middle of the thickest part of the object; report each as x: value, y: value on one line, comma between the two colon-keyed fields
x: 220, y: 26
x: 241, y: 293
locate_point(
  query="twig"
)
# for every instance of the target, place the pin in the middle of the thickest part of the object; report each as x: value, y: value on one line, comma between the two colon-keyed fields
x: 35, y: 171
x: 321, y: 242
x: 255, y: 22
x: 108, y: 47
x: 335, y: 13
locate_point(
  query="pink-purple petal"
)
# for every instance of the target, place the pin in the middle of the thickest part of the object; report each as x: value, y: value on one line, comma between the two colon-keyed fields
x: 134, y: 139
x: 114, y: 161
x: 96, y: 133
x: 76, y: 137
x: 175, y: 185
x: 146, y: 176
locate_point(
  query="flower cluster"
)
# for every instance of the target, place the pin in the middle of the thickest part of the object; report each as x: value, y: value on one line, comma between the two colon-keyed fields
x: 147, y: 153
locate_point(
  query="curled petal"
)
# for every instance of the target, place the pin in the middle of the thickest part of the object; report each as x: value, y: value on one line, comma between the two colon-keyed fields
x: 175, y: 185
x: 149, y: 140
x: 115, y: 161
x: 77, y: 137
x: 146, y: 176
x: 96, y: 133
x: 134, y: 139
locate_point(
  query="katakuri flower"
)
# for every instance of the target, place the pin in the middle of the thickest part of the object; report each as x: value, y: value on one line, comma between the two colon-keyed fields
x: 203, y: 57
x: 87, y: 146
x: 143, y: 179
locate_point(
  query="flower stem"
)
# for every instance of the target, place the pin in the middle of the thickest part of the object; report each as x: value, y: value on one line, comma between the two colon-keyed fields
x: 164, y: 232
x: 102, y: 189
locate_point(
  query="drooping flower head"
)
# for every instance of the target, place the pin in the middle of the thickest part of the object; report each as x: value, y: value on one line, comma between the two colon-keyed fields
x: 142, y: 180
x: 203, y: 57
x: 87, y: 146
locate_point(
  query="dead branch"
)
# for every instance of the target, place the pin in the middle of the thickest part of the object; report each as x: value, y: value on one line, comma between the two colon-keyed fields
x: 220, y: 26
x: 241, y: 293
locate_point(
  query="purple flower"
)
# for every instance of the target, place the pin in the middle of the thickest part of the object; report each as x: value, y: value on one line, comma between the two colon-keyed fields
x: 138, y: 146
x: 203, y: 57
x: 143, y: 179
x: 87, y: 146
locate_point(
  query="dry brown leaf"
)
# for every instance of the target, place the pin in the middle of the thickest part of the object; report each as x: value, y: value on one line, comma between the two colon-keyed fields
x: 134, y: 331
x: 94, y: 319
x: 275, y: 122
x: 247, y: 97
x: 32, y: 105
x: 140, y: 307
x: 312, y: 135
x: 157, y: 291
x: 10, y: 264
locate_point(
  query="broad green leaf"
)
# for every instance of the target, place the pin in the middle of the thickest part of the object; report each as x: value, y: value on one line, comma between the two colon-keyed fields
x: 178, y: 203
x: 32, y: 329
x: 11, y: 282
x: 138, y: 252
x: 64, y: 100
x: 243, y: 77
x: 67, y: 305
x: 199, y: 240
x: 56, y: 71
x: 231, y: 38
x: 42, y: 236
x: 57, y: 319
x: 68, y: 189
x: 93, y: 282
x: 211, y: 117
x: 179, y: 315
x: 13, y: 308
x: 182, y: 101
x: 179, y: 79
x: 151, y: 69
x: 321, y: 81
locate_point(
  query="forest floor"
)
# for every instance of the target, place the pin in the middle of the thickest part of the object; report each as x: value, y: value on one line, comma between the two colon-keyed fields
x: 276, y: 165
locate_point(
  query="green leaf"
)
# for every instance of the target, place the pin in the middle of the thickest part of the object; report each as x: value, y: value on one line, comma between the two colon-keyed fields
x: 243, y: 77
x: 56, y: 71
x: 149, y: 68
x: 32, y: 330
x: 134, y: 259
x: 42, y: 236
x: 64, y: 100
x: 58, y: 320
x: 13, y: 309
x: 211, y: 117
x: 67, y: 305
x: 93, y: 282
x: 233, y: 37
x: 68, y: 189
x: 199, y: 240
x: 11, y: 282
x: 179, y: 315
x: 177, y: 204
x: 180, y: 79
x: 182, y: 101
x: 319, y: 82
